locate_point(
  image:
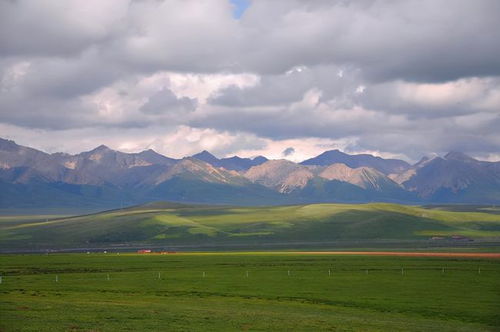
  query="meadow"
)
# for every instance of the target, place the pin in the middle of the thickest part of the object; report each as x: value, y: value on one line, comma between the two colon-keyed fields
x: 254, y: 291
x: 180, y: 225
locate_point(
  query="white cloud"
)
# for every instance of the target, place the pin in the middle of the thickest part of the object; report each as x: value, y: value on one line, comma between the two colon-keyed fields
x: 360, y: 89
x: 303, y: 148
x: 442, y: 94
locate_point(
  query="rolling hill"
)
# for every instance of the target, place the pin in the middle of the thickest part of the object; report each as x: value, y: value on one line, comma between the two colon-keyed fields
x: 178, y: 225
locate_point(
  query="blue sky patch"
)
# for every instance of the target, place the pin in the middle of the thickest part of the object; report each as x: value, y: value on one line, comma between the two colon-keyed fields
x: 240, y: 6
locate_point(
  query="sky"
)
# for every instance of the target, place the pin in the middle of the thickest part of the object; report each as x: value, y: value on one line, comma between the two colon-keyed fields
x: 282, y: 78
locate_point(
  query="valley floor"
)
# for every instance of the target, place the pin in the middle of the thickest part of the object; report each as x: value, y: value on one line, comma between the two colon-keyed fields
x: 253, y: 291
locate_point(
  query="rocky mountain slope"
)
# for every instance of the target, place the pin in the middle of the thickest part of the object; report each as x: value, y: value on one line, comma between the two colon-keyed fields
x: 108, y: 178
x: 455, y: 177
x: 386, y: 166
x: 234, y: 163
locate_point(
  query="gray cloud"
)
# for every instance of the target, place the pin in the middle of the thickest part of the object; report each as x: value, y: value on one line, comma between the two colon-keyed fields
x: 165, y: 102
x: 433, y: 40
x: 52, y: 28
x: 288, y: 151
x: 411, y: 40
x: 405, y: 77
x: 290, y: 86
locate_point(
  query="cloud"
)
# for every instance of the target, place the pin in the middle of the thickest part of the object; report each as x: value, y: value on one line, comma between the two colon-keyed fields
x: 288, y: 152
x: 431, y: 41
x: 52, y: 28
x: 464, y: 96
x: 413, y: 131
x: 165, y: 102
x: 392, y: 77
x: 411, y: 40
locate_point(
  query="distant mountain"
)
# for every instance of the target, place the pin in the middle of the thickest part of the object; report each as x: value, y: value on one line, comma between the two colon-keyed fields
x: 364, y: 177
x: 386, y: 166
x: 104, y: 165
x: 193, y: 180
x: 456, y: 178
x: 20, y: 164
x: 107, y: 178
x: 233, y: 163
x: 207, y: 157
x: 325, y: 183
x: 281, y: 175
x: 193, y: 168
x: 101, y: 177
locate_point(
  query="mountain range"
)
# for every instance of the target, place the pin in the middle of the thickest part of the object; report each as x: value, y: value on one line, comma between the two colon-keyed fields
x: 106, y: 178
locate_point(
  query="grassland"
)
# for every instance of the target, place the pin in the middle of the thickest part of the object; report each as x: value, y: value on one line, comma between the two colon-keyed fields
x: 247, y: 291
x: 171, y: 225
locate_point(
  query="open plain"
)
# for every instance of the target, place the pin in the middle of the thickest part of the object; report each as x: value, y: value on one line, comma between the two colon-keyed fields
x: 248, y: 291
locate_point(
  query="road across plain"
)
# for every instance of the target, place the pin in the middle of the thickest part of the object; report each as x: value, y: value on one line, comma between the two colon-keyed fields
x: 400, y: 253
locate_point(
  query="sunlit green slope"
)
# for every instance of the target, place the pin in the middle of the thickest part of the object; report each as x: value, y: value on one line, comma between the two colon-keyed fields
x: 167, y: 224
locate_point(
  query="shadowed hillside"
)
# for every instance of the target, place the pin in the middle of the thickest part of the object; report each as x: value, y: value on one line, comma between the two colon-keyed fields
x: 173, y: 224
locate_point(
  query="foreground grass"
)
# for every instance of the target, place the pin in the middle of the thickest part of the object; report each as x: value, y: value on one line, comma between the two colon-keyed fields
x: 200, y: 292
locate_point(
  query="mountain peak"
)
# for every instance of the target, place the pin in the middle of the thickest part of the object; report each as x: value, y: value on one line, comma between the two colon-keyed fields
x: 386, y: 166
x: 153, y: 157
x: 148, y: 152
x: 333, y: 152
x: 234, y: 158
x: 101, y: 148
x: 7, y: 145
x: 205, y: 156
x: 260, y: 159
x: 455, y: 155
x: 204, y: 153
x: 234, y: 163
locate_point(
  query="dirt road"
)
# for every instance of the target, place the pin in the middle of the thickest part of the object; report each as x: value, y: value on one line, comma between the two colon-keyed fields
x: 402, y: 253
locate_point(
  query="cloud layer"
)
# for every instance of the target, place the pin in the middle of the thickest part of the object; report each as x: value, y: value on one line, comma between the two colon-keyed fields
x: 395, y: 78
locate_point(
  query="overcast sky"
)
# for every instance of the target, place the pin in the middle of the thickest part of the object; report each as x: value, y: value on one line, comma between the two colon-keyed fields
x: 282, y: 78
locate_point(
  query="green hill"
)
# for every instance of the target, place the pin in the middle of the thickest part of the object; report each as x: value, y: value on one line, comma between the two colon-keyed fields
x: 171, y: 224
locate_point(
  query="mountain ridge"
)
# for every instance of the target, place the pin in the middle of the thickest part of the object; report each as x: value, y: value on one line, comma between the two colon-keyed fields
x: 29, y: 177
x: 386, y: 166
x: 234, y: 163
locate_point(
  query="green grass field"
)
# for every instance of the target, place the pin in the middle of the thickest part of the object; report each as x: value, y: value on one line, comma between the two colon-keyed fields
x: 168, y: 224
x: 169, y: 293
